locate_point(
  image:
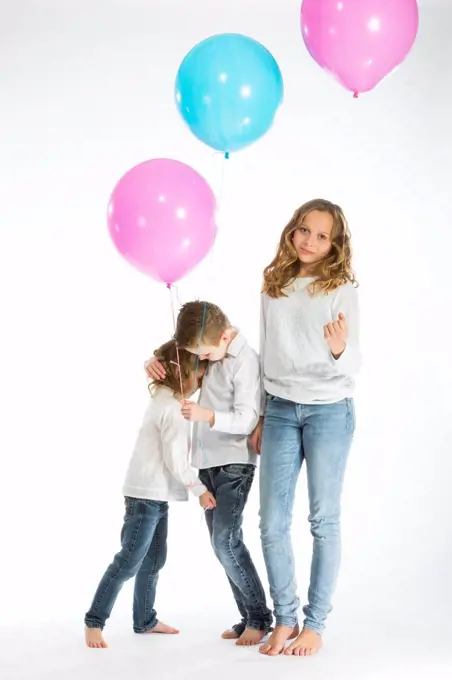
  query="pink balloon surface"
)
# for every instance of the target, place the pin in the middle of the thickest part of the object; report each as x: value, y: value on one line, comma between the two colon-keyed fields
x: 161, y: 218
x: 359, y: 41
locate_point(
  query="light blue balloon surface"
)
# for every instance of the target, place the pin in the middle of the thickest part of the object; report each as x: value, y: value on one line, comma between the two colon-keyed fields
x: 228, y: 89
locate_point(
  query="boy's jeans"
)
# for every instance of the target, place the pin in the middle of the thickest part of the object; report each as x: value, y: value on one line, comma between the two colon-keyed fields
x: 143, y: 554
x: 321, y: 435
x: 230, y: 485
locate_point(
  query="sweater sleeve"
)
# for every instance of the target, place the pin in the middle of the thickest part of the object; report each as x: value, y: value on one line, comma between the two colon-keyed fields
x: 175, y: 445
x: 263, y: 324
x: 346, y: 302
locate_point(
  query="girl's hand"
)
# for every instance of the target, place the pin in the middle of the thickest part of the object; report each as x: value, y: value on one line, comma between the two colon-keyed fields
x: 196, y: 413
x: 207, y: 501
x: 256, y: 436
x: 336, y: 334
x: 154, y: 369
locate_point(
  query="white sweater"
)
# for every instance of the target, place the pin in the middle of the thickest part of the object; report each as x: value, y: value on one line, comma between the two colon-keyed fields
x: 296, y: 363
x: 159, y: 469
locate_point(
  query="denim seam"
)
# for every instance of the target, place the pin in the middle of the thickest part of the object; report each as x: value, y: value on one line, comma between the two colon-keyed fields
x: 286, y: 508
x: 113, y: 578
x: 231, y: 554
x: 152, y: 572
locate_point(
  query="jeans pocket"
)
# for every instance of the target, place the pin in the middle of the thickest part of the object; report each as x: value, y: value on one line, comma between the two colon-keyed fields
x: 238, y: 470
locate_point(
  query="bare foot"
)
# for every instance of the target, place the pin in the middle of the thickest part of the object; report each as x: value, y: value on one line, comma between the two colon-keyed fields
x: 162, y: 628
x: 94, y: 638
x: 278, y: 639
x: 307, y: 643
x: 230, y: 634
x: 250, y: 636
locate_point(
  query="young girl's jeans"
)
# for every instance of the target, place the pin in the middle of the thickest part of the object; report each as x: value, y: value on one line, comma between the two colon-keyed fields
x: 230, y: 485
x: 143, y: 554
x: 321, y: 435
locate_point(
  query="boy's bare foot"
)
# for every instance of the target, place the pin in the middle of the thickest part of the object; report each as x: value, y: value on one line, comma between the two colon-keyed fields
x: 250, y: 636
x: 307, y: 643
x: 94, y: 638
x: 278, y: 639
x: 230, y: 634
x: 162, y: 628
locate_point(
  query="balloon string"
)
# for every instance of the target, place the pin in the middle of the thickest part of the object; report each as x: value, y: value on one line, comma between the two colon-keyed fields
x: 203, y: 323
x: 173, y: 311
x: 220, y: 189
x: 195, y: 377
x: 175, y: 288
x: 210, y: 257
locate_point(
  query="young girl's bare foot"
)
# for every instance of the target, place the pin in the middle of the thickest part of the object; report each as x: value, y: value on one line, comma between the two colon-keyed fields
x: 307, y: 643
x: 230, y: 634
x: 278, y: 639
x: 250, y: 636
x: 94, y: 638
x: 162, y: 628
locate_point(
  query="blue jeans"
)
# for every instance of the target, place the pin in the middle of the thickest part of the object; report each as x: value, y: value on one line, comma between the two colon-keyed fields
x: 321, y: 435
x: 143, y: 554
x: 231, y: 484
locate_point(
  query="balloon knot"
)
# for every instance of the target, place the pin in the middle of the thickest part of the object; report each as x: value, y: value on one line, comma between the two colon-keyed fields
x: 355, y: 95
x: 226, y: 155
x: 168, y: 285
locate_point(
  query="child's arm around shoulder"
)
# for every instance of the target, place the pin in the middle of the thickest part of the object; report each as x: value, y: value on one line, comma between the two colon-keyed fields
x: 175, y: 445
x: 243, y: 416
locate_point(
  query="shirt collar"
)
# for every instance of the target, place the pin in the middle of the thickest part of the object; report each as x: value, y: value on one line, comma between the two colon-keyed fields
x: 237, y: 344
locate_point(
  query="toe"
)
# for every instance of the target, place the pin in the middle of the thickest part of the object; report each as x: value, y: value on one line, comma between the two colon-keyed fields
x: 276, y: 650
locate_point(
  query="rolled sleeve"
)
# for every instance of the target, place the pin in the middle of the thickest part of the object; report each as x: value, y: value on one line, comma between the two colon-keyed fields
x: 347, y: 303
x: 244, y: 414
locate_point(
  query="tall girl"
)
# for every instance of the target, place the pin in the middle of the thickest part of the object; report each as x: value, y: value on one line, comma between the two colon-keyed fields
x: 309, y: 354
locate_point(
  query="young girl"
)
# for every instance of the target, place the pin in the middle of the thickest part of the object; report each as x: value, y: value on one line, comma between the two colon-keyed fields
x: 158, y: 472
x: 309, y: 355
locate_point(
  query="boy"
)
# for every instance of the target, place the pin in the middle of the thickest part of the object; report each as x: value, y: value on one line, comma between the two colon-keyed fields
x: 227, y: 413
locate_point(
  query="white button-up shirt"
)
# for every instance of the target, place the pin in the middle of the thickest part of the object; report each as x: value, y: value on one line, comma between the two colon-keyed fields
x: 159, y: 469
x: 230, y: 388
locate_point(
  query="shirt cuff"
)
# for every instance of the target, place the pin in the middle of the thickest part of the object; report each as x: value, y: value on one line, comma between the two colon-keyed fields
x: 221, y: 421
x: 346, y: 362
x: 198, y: 490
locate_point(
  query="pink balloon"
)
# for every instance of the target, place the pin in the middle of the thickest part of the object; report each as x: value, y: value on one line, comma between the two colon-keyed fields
x: 161, y: 217
x: 359, y: 41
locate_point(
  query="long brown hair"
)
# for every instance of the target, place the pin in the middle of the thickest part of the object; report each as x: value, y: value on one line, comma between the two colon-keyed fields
x: 333, y: 271
x: 167, y: 355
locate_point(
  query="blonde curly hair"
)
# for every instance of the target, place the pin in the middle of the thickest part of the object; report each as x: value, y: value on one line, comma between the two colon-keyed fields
x: 333, y: 271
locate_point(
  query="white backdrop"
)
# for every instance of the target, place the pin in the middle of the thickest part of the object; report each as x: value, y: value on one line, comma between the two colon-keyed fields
x: 86, y: 93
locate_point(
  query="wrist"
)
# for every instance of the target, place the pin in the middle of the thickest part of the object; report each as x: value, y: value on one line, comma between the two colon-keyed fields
x: 337, y: 352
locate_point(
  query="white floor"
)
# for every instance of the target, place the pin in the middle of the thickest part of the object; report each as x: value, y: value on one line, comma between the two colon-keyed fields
x: 57, y: 651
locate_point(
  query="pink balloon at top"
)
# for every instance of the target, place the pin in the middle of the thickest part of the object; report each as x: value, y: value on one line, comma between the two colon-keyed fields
x: 161, y: 217
x: 359, y: 41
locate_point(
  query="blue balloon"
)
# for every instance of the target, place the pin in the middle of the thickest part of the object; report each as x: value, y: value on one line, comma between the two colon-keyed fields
x: 228, y: 89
